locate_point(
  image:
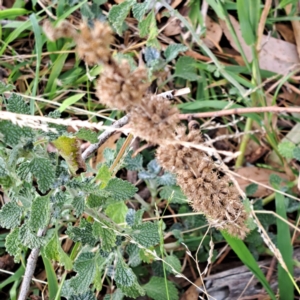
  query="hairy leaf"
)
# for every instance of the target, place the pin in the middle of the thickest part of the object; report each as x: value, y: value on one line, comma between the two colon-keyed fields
x: 10, y: 215
x: 69, y: 149
x: 286, y: 149
x: 5, y: 87
x: 51, y: 249
x: 104, y: 174
x: 148, y: 27
x: 78, y: 204
x: 107, y: 235
x: 117, y: 212
x: 124, y: 276
x: 251, y: 189
x: 134, y: 257
x: 134, y: 163
x: 120, y: 189
x: 29, y: 238
x: 174, y: 262
x: 13, y: 244
x: 117, y: 295
x: 156, y: 289
x: 296, y: 153
x: 146, y: 234
x: 185, y: 68
x: 87, y: 135
x: 118, y: 13
x: 44, y: 171
x: 16, y: 104
x: 133, y: 291
x: 96, y: 200
x: 173, y: 50
x: 40, y: 213
x: 139, y: 10
x: 174, y: 194
x: 89, y: 295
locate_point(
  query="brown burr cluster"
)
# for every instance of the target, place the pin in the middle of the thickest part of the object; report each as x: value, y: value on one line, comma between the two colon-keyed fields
x: 207, y: 190
x: 154, y: 119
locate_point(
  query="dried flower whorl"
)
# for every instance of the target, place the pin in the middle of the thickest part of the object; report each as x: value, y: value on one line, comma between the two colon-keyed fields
x: 119, y: 88
x: 207, y: 190
x: 154, y: 119
x: 64, y: 29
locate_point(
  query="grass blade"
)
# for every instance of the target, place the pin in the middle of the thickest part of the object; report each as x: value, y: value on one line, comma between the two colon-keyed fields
x: 51, y: 278
x: 246, y: 257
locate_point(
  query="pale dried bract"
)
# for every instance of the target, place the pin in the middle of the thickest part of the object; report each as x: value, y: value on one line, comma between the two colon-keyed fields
x: 63, y: 30
x: 93, y: 43
x: 154, y: 119
x: 119, y: 88
x: 207, y: 190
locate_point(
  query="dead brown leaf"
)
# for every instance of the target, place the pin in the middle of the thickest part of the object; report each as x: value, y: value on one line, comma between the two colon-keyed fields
x: 286, y: 32
x: 276, y: 55
x: 260, y: 176
x: 213, y: 33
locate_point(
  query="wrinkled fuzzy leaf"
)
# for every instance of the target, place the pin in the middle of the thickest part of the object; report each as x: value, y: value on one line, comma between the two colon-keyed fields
x: 139, y: 10
x: 107, y: 235
x: 69, y: 149
x: 118, y: 13
x: 133, y: 291
x: 174, y: 262
x: 117, y: 212
x: 44, y: 171
x: 167, y: 179
x: 134, y: 163
x: 29, y: 238
x: 146, y: 234
x: 78, y: 204
x: 109, y: 155
x: 124, y: 275
x: 153, y: 167
x: 51, y: 249
x: 173, y: 193
x: 251, y: 189
x: 40, y: 213
x: 83, y: 233
x: 117, y: 295
x: 87, y: 135
x: 12, y: 134
x: 185, y: 68
x: 130, y: 217
x: 10, y: 215
x: 156, y: 289
x: 173, y: 50
x: 296, y: 153
x: 3, y: 170
x: 275, y: 179
x: 13, y: 244
x: 16, y: 104
x: 286, y: 149
x: 120, y: 189
x: 145, y: 25
x: 95, y: 201
x: 5, y: 87
x: 85, y: 266
x: 104, y: 174
x: 134, y: 255
x: 89, y: 295
x: 152, y: 56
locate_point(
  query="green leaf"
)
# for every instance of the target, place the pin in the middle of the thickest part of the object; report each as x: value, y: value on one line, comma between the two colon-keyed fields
x: 3, y: 169
x: 148, y: 27
x: 124, y: 275
x: 51, y: 249
x: 13, y: 244
x: 174, y: 194
x: 104, y: 174
x: 94, y: 200
x: 133, y: 163
x: 117, y: 295
x: 85, y: 266
x: 87, y: 135
x: 139, y: 10
x: 78, y: 204
x: 13, y: 135
x: 275, y: 179
x: 286, y: 149
x: 120, y: 189
x: 146, y: 234
x: 173, y: 50
x: 185, y: 68
x: 134, y: 255
x: 29, y: 238
x: 83, y: 233
x: 52, y: 279
x: 89, y: 295
x: 246, y: 257
x: 70, y: 101
x: 296, y: 153
x: 157, y: 288
x: 69, y: 149
x: 118, y: 13
x: 10, y: 215
x: 117, y: 212
x: 107, y: 235
x: 251, y: 189
x: 133, y: 291
x: 5, y: 87
x: 40, y: 213
x: 174, y: 262
x: 44, y: 171
x: 16, y: 104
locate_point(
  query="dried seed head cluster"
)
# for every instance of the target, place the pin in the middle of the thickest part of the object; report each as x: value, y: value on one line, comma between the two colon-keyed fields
x: 207, y: 190
x: 154, y: 119
x: 119, y: 88
x: 93, y: 44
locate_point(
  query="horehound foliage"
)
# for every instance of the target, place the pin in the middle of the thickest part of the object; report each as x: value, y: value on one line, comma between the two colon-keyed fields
x: 155, y: 120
